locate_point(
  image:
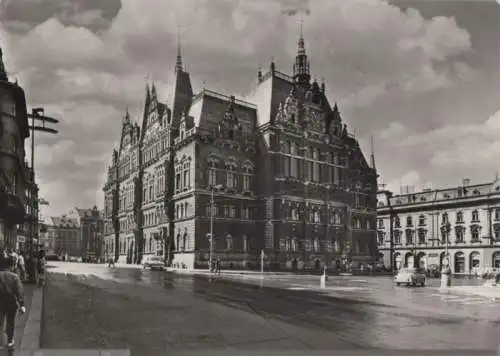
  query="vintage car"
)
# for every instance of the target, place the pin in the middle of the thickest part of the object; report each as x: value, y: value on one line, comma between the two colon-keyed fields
x: 410, y: 277
x: 154, y: 263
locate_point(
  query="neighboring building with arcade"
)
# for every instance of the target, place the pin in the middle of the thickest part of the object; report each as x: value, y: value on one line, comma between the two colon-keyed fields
x: 463, y: 222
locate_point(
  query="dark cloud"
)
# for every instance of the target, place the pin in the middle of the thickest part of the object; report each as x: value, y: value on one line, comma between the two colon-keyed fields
x: 394, y: 73
x: 23, y: 15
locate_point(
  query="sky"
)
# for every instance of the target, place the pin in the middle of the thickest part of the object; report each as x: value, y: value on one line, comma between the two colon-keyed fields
x: 421, y: 77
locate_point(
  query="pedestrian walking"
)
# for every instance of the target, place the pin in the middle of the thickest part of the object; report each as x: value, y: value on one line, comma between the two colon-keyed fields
x: 111, y: 262
x: 21, y: 267
x: 11, y: 299
x: 41, y: 270
x: 218, y: 265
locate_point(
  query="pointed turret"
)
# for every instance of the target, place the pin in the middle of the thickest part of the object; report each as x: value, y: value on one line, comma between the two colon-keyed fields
x: 301, y: 67
x: 3, y: 73
x: 372, y: 155
x: 178, y: 62
x: 126, y: 117
x: 183, y: 91
x: 153, y: 91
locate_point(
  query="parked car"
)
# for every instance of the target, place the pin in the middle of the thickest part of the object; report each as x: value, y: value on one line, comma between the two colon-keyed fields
x: 410, y: 277
x: 154, y: 263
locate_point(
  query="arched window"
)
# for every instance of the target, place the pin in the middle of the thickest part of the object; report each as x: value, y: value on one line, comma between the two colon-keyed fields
x: 229, y: 242
x: 177, y: 247
x: 212, y: 173
x: 184, y: 241
x: 245, y: 243
x: 230, y: 175
x: 459, y: 262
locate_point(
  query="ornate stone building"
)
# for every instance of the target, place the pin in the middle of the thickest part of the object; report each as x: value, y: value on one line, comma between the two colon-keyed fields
x: 285, y: 175
x: 15, y: 180
x: 461, y: 222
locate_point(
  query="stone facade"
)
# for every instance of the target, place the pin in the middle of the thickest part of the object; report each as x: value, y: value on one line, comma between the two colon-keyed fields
x: 284, y: 174
x: 14, y: 179
x: 461, y: 222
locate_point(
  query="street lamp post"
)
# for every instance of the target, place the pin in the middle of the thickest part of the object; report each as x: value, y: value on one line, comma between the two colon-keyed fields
x: 210, y: 260
x: 36, y: 114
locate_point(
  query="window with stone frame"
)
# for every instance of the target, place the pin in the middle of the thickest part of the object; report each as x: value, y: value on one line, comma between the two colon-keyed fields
x: 186, y: 174
x: 247, y: 178
x: 232, y: 211
x: 245, y: 243
x: 380, y: 237
x: 316, y: 246
x: 409, y: 237
x: 230, y: 175
x: 460, y: 217
x: 229, y: 242
x: 397, y: 222
x: 444, y: 219
x: 212, y: 174
x: 459, y: 234
x: 497, y: 214
x: 295, y: 246
x: 294, y: 213
x: 421, y: 220
x: 421, y: 236
x: 397, y: 237
x: 245, y: 213
x: 475, y: 233
x: 316, y: 216
x: 475, y: 216
x: 178, y: 182
x: 409, y: 221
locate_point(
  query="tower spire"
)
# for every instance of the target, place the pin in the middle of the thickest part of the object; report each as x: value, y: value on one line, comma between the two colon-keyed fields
x: 178, y: 62
x: 372, y: 155
x: 3, y: 73
x: 301, y: 67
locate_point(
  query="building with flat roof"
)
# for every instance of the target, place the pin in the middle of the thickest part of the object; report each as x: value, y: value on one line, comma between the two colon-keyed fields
x: 422, y: 228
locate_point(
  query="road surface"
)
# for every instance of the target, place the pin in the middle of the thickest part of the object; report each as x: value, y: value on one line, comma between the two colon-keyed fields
x: 152, y: 312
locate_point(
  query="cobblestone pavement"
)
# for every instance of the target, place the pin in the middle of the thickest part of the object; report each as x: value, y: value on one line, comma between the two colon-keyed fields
x: 136, y: 308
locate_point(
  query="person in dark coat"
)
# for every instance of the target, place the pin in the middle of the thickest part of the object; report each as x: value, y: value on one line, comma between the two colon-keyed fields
x: 11, y: 298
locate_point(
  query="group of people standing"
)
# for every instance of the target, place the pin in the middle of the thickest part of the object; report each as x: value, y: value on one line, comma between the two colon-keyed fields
x: 27, y: 267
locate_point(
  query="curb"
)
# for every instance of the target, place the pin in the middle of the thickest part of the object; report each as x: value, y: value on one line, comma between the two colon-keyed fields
x: 32, y: 330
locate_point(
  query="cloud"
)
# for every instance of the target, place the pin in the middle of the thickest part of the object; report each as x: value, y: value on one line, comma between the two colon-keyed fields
x: 456, y: 151
x: 410, y: 179
x: 363, y: 48
x: 395, y: 129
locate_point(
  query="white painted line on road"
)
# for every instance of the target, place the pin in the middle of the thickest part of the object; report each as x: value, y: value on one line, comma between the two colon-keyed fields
x: 446, y: 297
x: 477, y: 302
x: 359, y: 280
x: 297, y: 288
x: 467, y: 300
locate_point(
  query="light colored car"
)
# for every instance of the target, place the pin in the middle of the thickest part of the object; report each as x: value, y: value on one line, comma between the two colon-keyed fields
x: 410, y: 277
x: 154, y: 263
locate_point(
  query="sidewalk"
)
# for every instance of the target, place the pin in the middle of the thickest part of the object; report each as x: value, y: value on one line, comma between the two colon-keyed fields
x: 487, y: 291
x: 22, y: 321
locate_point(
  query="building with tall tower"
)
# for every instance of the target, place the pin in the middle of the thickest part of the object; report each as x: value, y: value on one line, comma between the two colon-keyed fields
x: 15, y: 180
x: 275, y: 171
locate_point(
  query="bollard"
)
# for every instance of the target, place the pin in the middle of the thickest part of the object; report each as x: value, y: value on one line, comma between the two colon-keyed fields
x: 323, y: 279
x: 446, y: 277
